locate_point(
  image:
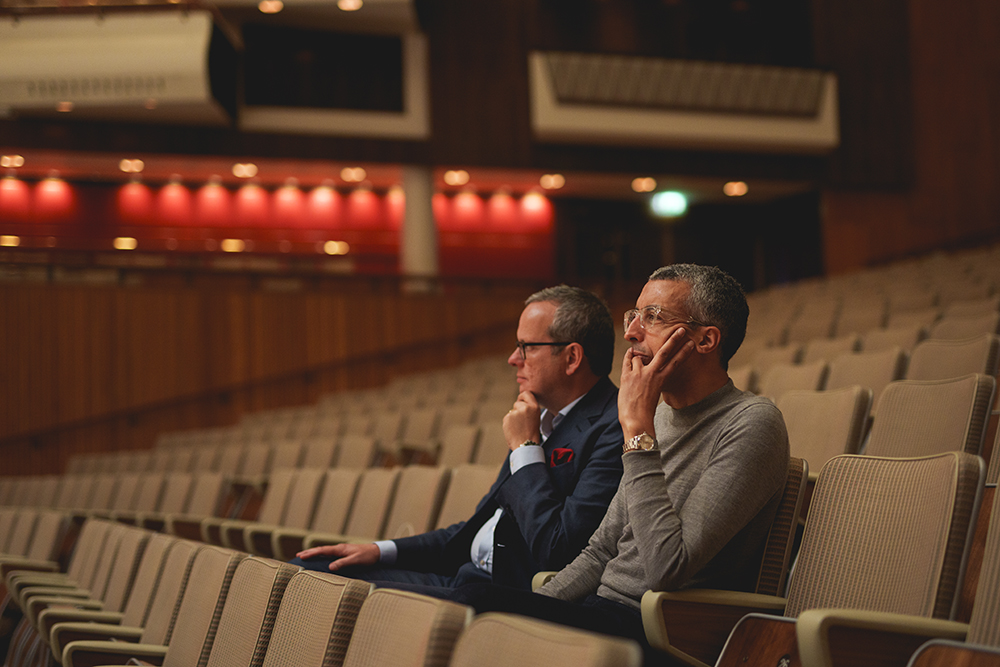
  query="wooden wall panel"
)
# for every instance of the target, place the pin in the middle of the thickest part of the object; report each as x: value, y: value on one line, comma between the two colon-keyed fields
x: 103, y: 368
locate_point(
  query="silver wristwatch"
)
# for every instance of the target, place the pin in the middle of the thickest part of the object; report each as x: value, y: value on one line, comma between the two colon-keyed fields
x: 643, y: 441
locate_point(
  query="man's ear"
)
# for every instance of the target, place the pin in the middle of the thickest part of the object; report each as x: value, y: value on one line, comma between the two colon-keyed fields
x: 574, y: 358
x: 706, y: 339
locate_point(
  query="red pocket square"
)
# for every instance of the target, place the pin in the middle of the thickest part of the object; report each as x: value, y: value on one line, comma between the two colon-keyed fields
x: 559, y: 456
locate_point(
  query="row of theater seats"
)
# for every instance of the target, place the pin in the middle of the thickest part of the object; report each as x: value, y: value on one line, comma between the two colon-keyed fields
x: 300, y: 507
x: 127, y: 594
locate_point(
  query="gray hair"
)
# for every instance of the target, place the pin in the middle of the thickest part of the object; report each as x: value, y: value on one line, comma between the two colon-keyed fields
x: 581, y: 317
x: 715, y: 298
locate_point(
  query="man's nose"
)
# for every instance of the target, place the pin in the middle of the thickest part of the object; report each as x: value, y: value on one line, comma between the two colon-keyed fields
x: 515, y: 358
x: 633, y: 332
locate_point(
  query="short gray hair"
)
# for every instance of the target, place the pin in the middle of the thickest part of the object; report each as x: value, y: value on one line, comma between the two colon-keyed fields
x: 715, y: 298
x: 581, y: 317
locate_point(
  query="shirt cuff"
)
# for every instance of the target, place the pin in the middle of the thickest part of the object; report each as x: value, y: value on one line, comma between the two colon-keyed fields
x: 387, y: 552
x: 523, y: 456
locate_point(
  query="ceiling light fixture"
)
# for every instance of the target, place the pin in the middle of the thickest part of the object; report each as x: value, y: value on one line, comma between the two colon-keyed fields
x: 735, y: 188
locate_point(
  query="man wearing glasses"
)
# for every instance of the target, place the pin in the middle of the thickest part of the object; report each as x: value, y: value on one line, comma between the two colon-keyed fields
x: 563, y: 468
x: 704, y: 468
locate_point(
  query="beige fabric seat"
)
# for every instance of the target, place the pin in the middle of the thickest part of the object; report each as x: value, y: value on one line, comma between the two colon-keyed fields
x: 501, y: 640
x: 874, y: 370
x: 673, y: 621
x: 787, y: 377
x: 492, y: 447
x: 197, y: 619
x: 905, y: 338
x: 319, y: 451
x: 315, y: 621
x: 941, y: 359
x: 469, y: 484
x: 356, y: 451
x: 300, y: 506
x: 831, y: 348
x: 458, y: 443
x: 925, y: 317
x: 744, y: 377
x: 330, y: 517
x: 405, y: 629
x: 417, y: 501
x: 153, y: 625
x: 883, y: 535
x: 956, y: 327
x: 973, y: 307
x: 368, y: 512
x: 205, y: 500
x: 229, y: 532
x: 922, y: 418
x: 824, y: 424
x: 765, y: 359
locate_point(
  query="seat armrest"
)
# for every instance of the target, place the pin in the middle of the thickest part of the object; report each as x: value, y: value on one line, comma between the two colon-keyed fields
x: 230, y: 532
x: 542, y: 578
x: 319, y: 539
x: 38, y: 603
x: 9, y: 564
x: 154, y: 521
x: 92, y: 654
x: 286, y: 542
x: 210, y: 530
x: 693, y: 625
x: 257, y: 538
x: 829, y: 637
x: 26, y: 594
x: 62, y: 634
x: 187, y: 526
x: 53, y: 615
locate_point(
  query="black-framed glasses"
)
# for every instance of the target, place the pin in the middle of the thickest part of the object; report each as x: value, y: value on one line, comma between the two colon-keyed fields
x: 655, y: 317
x: 522, y: 347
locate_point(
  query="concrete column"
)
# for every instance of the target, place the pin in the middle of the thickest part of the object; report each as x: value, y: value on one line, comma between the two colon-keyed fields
x: 418, y: 245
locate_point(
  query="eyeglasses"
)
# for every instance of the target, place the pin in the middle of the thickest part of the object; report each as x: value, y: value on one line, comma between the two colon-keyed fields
x: 522, y: 347
x: 655, y: 317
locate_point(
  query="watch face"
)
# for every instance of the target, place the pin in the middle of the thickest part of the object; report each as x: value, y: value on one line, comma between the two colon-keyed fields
x: 646, y: 442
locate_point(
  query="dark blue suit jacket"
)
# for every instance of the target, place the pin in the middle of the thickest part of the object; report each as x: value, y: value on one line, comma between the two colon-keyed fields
x: 550, y: 512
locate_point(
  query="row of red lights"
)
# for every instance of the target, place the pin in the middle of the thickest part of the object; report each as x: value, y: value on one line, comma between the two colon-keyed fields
x: 213, y: 205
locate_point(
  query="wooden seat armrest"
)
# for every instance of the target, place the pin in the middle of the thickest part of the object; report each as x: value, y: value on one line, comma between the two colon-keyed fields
x: 210, y: 530
x: 154, y: 521
x: 187, y: 526
x: 286, y: 542
x: 231, y: 533
x: 53, y: 615
x: 693, y: 625
x: 257, y: 537
x: 38, y: 603
x: 17, y: 586
x: 319, y: 539
x: 62, y: 634
x: 542, y: 578
x: 92, y: 654
x: 829, y: 637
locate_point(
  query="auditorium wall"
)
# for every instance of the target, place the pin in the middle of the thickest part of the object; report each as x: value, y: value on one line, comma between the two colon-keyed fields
x: 96, y: 368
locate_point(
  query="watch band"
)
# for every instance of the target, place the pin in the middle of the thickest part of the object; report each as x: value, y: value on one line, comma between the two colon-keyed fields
x: 642, y: 442
x: 528, y: 443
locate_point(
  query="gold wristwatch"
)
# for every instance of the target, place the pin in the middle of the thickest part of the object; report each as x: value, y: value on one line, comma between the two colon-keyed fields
x: 643, y: 442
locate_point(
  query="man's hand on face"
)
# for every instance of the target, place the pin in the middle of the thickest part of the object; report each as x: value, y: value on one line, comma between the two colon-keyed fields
x: 642, y: 384
x: 345, y: 554
x: 523, y: 421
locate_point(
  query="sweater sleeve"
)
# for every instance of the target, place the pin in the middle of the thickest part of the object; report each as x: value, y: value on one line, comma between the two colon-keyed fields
x: 582, y: 576
x: 747, y: 467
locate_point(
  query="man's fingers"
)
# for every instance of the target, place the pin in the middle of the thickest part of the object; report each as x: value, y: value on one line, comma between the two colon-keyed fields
x: 668, y: 349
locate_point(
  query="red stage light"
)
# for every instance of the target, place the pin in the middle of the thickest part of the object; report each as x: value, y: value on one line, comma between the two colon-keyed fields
x: 289, y: 206
x: 54, y: 200
x: 441, y: 205
x: 536, y: 211
x: 324, y: 208
x: 469, y: 210
x: 15, y: 200
x: 213, y: 206
x: 251, y: 206
x: 173, y: 204
x: 135, y: 203
x: 502, y: 211
x: 395, y: 207
x: 364, y: 209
